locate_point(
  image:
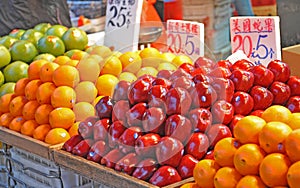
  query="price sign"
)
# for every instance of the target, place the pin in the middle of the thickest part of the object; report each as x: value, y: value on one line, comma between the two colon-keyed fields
x: 185, y: 37
x: 257, y: 37
x: 122, y: 25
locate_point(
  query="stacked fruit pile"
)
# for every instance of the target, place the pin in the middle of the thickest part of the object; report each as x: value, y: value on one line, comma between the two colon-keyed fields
x: 158, y: 128
x: 20, y: 47
x: 263, y: 153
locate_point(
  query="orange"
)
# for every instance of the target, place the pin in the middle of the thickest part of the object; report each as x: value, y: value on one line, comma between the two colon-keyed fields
x: 294, y: 120
x: 20, y: 86
x: 292, y: 145
x: 204, y: 173
x: 28, y: 127
x: 61, y: 118
x: 73, y: 130
x: 293, y: 175
x: 63, y: 96
x: 31, y: 89
x: 44, y: 92
x: 78, y: 55
x: 247, y: 129
x: 131, y: 61
x: 16, y: 105
x: 66, y: 75
x: 106, y: 84
x: 190, y: 185
x: 224, y: 151
x: 247, y: 159
x: 127, y: 76
x: 72, y: 62
x: 227, y: 177
x: 34, y: 69
x: 250, y: 181
x: 181, y: 59
x: 5, y: 101
x: 47, y: 70
x: 147, y: 70
x: 273, y: 169
x: 167, y: 57
x: 42, y: 113
x: 16, y: 123
x: 41, y: 131
x: 5, y: 119
x: 276, y: 113
x: 150, y: 57
x: 83, y: 110
x: 89, y: 69
x: 61, y: 60
x: 57, y: 136
x: 272, y: 137
x: 29, y: 109
x: 112, y: 65
x: 102, y: 51
x: 86, y: 91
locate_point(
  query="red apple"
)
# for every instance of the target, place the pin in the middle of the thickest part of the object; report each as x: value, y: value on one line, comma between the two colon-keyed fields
x: 101, y: 129
x: 280, y: 70
x: 163, y: 82
x: 135, y: 114
x: 224, y: 88
x: 202, y: 78
x: 257, y: 113
x: 242, y: 102
x: 145, y: 169
x: 128, y: 138
x: 217, y: 132
x: 121, y: 90
x: 198, y: 145
x: 183, y: 82
x: 165, y: 175
x: 203, y: 96
x: 85, y: 128
x: 201, y: 119
x: 146, y: 145
x: 178, y: 101
x: 153, y: 120
x: 262, y: 97
x: 281, y: 92
x: 293, y: 104
x: 128, y: 163
x: 242, y: 64
x: 262, y: 76
x: 138, y: 91
x: 187, y: 67
x: 104, y: 107
x: 224, y: 63
x: 164, y: 74
x: 243, y: 80
x: 294, y: 84
x: 169, y: 151
x: 222, y: 112
x: 83, y: 148
x: 220, y: 72
x: 203, y: 62
x: 186, y: 166
x: 97, y: 151
x: 179, y: 127
x: 120, y: 108
x: 115, y: 131
x: 111, y: 158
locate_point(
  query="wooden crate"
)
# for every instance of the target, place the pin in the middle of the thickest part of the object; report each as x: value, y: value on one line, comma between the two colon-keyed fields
x: 27, y: 143
x: 102, y: 174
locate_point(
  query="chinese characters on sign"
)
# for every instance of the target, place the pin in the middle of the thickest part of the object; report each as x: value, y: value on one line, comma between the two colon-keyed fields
x: 185, y: 38
x: 123, y: 24
x: 257, y: 37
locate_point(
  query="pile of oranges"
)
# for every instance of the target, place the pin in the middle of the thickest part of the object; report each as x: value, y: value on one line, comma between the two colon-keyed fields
x: 265, y: 152
x: 49, y: 104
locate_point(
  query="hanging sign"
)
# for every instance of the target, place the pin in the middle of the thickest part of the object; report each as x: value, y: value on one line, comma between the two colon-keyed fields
x: 122, y: 25
x: 185, y: 37
x: 258, y: 37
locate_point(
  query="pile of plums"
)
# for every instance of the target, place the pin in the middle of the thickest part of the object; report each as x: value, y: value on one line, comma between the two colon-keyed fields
x: 157, y: 128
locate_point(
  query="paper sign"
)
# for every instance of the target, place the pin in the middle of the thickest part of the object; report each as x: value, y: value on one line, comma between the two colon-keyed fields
x: 257, y: 37
x: 185, y: 37
x: 122, y: 25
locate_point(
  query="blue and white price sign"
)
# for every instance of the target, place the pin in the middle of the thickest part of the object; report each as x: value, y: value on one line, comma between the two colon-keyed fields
x: 122, y: 25
x: 185, y: 37
x: 258, y: 37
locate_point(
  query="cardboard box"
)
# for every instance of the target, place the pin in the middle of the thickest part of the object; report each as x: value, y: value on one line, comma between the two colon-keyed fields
x: 291, y: 56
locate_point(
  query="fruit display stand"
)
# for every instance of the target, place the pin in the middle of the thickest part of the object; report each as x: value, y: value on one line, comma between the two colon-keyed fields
x: 101, y: 174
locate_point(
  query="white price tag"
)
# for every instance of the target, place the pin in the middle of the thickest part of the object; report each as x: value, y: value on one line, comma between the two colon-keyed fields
x: 185, y: 37
x: 122, y: 25
x: 258, y: 37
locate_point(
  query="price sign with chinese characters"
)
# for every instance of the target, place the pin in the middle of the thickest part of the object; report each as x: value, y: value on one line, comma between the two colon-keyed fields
x: 122, y: 25
x: 258, y: 37
x: 185, y: 37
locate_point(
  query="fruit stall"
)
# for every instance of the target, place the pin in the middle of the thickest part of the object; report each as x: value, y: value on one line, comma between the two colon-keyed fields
x: 76, y: 114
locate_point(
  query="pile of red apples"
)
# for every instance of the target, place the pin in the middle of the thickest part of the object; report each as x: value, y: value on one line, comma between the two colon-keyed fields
x: 157, y: 128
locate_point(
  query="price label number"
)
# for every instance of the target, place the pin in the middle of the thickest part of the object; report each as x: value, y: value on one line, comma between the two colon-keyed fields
x: 257, y: 37
x: 185, y: 38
